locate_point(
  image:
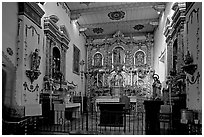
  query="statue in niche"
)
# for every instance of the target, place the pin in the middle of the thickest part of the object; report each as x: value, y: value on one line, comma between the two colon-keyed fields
x: 139, y: 58
x: 34, y: 72
x: 35, y: 60
x: 98, y: 59
x: 118, y: 80
x: 118, y: 55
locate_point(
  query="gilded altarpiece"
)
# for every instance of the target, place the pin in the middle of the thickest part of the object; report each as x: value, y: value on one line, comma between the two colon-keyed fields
x: 119, y: 65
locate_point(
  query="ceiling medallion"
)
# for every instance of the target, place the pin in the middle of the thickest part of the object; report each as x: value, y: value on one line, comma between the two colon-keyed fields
x: 138, y: 27
x: 97, y: 30
x: 116, y: 15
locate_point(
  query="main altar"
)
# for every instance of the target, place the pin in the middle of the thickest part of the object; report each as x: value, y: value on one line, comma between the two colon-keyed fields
x: 119, y: 65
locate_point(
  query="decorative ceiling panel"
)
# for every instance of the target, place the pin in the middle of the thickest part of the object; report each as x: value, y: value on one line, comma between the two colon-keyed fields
x: 95, y: 15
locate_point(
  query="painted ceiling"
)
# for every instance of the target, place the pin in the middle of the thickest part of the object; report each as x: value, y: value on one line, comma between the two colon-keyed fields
x: 103, y: 19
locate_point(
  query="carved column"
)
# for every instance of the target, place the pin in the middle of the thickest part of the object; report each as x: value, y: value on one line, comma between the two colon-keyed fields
x: 180, y: 53
x: 149, y: 45
x: 64, y: 62
x: 169, y: 57
x: 51, y: 57
x: 48, y: 43
x: 89, y: 62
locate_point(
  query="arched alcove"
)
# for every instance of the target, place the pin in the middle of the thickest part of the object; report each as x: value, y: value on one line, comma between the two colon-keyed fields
x: 175, y: 50
x: 118, y: 55
x: 140, y: 57
x: 98, y: 59
x: 56, y: 60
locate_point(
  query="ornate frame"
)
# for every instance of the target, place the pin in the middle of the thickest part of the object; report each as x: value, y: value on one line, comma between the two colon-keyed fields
x: 93, y: 57
x: 76, y: 59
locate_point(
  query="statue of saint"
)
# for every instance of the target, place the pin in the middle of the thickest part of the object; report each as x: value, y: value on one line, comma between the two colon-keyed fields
x: 35, y: 60
x: 119, y: 80
x: 117, y: 56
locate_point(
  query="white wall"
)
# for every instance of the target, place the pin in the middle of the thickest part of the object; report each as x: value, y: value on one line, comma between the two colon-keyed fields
x: 23, y: 41
x: 194, y: 44
x: 9, y: 28
x: 160, y: 44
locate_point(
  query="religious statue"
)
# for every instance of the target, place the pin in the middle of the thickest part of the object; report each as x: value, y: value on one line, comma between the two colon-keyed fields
x: 35, y: 60
x: 118, y: 79
x: 156, y: 87
x: 34, y: 72
x: 117, y: 56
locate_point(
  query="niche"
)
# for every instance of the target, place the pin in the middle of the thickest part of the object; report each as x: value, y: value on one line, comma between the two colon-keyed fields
x: 118, y: 55
x: 56, y: 62
x: 175, y: 50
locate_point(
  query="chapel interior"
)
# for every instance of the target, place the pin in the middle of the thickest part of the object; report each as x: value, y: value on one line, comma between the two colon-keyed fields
x: 102, y: 68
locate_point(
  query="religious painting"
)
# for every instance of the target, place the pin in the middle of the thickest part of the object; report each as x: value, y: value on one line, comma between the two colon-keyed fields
x: 139, y: 58
x: 76, y: 57
x: 98, y: 60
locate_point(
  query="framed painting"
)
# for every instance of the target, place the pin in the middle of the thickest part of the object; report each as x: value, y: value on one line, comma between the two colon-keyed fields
x: 76, y: 57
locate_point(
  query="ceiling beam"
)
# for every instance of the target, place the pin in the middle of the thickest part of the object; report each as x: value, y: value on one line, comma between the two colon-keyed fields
x: 125, y: 35
x: 113, y: 7
x: 134, y: 22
